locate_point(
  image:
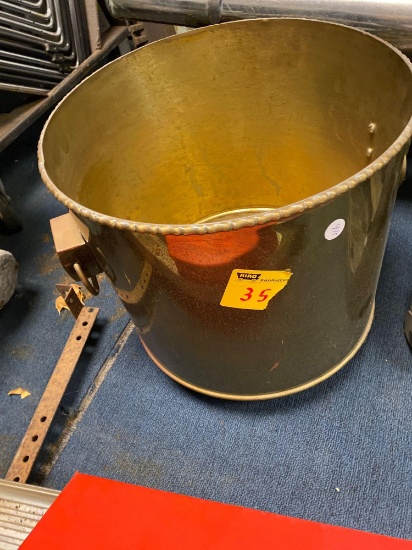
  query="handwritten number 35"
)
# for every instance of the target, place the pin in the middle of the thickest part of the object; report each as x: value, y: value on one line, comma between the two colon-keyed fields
x: 248, y: 295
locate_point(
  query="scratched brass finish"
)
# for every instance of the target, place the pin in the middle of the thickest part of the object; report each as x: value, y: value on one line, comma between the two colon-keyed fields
x: 235, y: 147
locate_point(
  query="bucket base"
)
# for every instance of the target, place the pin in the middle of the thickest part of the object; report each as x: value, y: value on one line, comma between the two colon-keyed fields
x: 260, y: 397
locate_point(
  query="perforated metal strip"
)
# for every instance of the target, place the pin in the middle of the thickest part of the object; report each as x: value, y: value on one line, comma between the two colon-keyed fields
x: 32, y: 441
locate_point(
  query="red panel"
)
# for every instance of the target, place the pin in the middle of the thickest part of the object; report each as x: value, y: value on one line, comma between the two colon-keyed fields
x: 95, y: 513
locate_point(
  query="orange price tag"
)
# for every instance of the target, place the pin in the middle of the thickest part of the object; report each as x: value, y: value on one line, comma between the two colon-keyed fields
x: 252, y: 289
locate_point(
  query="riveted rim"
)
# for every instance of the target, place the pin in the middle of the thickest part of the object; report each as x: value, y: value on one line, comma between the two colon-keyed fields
x: 272, y: 215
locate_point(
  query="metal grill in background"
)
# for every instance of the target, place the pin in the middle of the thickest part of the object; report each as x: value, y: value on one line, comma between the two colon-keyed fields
x: 41, y: 41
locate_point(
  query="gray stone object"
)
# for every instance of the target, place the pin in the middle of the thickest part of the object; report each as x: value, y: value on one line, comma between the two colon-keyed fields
x: 8, y: 276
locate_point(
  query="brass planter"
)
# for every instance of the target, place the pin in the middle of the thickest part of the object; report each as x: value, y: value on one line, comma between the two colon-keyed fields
x: 235, y: 183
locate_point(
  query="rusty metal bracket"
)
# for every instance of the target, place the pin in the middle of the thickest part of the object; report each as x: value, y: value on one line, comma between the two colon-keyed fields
x: 70, y: 297
x: 40, y: 423
x: 73, y: 251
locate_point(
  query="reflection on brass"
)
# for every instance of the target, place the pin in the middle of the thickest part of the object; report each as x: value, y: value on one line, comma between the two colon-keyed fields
x: 236, y: 147
x: 135, y: 295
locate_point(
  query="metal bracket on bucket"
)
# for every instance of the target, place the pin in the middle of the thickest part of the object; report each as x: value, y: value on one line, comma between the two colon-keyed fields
x: 74, y: 253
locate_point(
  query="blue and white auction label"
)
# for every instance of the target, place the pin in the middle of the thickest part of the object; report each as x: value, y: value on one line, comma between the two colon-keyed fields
x: 334, y: 229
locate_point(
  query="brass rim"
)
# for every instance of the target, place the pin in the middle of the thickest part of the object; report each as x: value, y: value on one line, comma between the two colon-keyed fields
x: 274, y: 395
x: 273, y: 215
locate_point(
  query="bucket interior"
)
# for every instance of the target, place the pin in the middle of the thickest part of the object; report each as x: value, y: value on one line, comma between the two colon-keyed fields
x: 235, y: 117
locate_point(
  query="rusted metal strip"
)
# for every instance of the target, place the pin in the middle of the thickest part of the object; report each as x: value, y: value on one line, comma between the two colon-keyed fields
x: 46, y: 409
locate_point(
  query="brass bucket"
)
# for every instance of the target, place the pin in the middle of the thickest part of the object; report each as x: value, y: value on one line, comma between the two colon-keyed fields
x: 235, y: 183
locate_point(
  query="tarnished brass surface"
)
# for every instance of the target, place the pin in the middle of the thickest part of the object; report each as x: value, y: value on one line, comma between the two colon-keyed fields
x: 282, y: 393
x: 236, y: 147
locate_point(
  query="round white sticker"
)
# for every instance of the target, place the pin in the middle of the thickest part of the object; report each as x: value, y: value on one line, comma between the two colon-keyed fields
x: 334, y: 229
